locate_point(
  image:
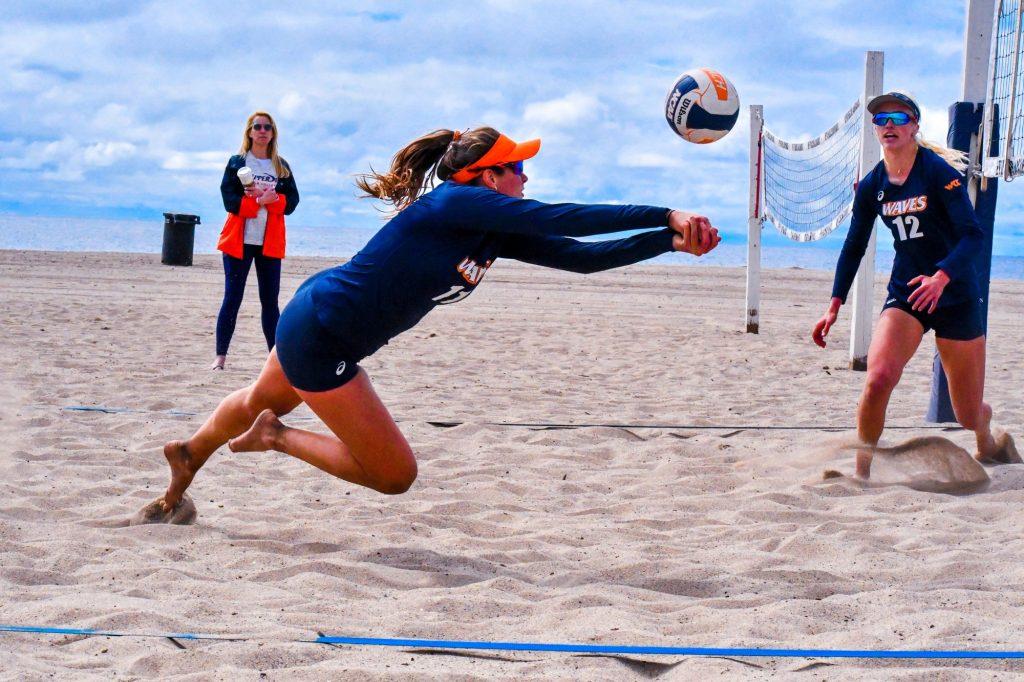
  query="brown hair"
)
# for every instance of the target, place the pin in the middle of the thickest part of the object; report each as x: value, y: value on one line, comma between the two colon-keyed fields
x: 442, y: 152
x: 279, y: 165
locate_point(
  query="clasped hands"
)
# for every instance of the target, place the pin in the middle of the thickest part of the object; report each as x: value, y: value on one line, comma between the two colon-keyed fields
x: 262, y: 196
x: 695, y: 235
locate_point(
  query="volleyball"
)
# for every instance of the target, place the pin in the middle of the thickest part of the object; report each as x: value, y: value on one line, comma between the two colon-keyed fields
x: 702, y: 106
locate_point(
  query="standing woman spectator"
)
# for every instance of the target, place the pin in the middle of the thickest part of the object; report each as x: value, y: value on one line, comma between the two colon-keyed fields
x: 254, y: 229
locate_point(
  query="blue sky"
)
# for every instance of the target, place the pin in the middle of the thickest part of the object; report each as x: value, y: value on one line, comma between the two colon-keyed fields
x: 130, y: 109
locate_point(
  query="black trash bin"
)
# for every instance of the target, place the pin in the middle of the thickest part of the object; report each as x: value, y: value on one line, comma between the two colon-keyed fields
x: 179, y: 238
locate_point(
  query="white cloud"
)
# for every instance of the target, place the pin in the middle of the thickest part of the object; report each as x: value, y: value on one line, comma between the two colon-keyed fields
x: 640, y: 159
x: 349, y: 83
x: 194, y: 161
x: 291, y: 104
x: 934, y: 124
x: 107, y: 153
x: 572, y: 109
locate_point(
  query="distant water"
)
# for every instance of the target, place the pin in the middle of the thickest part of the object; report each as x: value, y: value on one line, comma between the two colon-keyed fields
x: 144, y: 236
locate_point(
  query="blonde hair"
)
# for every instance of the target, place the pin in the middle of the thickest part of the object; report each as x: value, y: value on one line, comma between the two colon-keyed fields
x: 442, y: 152
x: 954, y: 157
x: 280, y: 167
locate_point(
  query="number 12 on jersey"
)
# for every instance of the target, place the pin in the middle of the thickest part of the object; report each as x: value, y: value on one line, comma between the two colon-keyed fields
x: 903, y: 222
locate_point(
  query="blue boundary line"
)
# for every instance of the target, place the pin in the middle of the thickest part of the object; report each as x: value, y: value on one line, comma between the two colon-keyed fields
x: 89, y: 632
x: 547, y: 647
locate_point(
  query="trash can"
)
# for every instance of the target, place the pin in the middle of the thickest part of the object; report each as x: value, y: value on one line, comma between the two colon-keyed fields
x: 179, y: 238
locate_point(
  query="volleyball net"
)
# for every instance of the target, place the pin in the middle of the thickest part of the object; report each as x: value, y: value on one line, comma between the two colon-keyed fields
x: 1004, y: 101
x: 805, y: 190
x: 808, y: 186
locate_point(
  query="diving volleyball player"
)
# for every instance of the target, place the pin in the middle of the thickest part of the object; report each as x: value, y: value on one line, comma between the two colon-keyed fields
x: 434, y: 251
x: 918, y: 192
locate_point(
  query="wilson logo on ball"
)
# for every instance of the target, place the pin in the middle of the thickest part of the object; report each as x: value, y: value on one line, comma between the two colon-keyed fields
x: 702, y: 106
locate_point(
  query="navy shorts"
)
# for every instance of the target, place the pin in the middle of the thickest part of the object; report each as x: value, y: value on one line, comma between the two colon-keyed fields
x: 312, y: 359
x: 959, y: 322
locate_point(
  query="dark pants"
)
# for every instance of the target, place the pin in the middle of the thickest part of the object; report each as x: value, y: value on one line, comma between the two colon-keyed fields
x: 236, y: 271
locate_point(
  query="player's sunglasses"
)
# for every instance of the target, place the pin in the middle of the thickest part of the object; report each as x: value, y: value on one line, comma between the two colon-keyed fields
x: 515, y: 166
x: 262, y: 126
x: 898, y: 118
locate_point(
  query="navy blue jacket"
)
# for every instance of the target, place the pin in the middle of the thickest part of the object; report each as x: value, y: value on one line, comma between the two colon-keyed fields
x: 438, y: 249
x: 232, y: 191
x: 932, y: 223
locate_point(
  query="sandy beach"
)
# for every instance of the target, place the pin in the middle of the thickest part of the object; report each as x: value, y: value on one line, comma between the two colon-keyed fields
x: 609, y: 534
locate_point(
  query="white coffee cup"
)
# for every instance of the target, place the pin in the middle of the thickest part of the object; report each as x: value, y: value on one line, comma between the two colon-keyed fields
x: 245, y: 175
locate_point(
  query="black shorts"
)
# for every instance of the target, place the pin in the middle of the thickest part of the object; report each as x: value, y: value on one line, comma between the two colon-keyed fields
x: 312, y: 359
x: 958, y: 322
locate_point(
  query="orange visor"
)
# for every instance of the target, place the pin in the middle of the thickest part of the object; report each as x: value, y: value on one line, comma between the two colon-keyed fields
x: 504, y: 150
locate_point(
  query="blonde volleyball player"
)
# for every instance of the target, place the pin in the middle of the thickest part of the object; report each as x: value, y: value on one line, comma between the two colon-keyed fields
x: 921, y: 197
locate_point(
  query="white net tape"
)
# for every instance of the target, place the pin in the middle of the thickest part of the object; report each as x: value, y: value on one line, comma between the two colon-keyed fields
x: 808, y: 186
x: 1006, y: 93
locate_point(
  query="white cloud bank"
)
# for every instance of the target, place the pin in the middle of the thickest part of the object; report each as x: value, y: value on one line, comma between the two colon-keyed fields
x: 100, y: 98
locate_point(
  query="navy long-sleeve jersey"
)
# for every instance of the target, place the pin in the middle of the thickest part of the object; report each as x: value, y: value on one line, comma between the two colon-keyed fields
x: 932, y: 223
x: 438, y: 249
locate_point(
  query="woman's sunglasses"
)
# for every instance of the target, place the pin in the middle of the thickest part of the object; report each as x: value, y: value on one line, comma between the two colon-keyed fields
x: 898, y: 118
x: 516, y: 167
x: 262, y: 126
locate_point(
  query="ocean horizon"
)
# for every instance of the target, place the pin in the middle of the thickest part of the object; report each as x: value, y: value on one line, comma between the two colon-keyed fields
x: 146, y: 236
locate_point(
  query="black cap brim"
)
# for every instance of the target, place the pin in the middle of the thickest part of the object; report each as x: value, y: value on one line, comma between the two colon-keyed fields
x: 880, y: 101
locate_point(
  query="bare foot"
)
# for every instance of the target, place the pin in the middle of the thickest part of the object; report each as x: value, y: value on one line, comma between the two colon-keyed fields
x: 862, y: 467
x: 261, y: 436
x: 218, y: 362
x: 182, y: 472
x: 1005, y: 452
x: 182, y: 514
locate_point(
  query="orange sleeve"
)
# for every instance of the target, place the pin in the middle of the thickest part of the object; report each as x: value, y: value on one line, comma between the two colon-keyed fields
x: 248, y: 208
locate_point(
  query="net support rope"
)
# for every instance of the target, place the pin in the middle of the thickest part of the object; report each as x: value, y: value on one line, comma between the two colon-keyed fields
x: 809, y: 186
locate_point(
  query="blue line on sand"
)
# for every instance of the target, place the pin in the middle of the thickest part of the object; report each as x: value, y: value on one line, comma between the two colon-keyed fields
x: 540, y: 646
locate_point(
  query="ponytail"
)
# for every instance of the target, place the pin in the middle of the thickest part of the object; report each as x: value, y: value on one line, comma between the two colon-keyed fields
x: 441, y: 153
x: 954, y: 157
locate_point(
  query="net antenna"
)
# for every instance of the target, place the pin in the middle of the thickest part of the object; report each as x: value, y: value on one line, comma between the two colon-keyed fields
x: 1004, y: 100
x: 805, y: 189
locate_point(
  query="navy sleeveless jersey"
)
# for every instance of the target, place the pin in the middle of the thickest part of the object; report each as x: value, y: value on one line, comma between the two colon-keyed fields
x: 932, y: 223
x: 437, y: 250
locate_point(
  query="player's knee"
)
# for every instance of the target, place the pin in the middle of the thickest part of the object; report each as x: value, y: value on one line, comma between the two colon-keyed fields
x: 254, y: 401
x: 881, y: 381
x: 398, y: 480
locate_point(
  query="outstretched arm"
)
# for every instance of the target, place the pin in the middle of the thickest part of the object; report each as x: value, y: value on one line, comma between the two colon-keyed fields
x: 686, y: 232
x: 478, y: 208
x: 569, y: 254
x: 861, y: 225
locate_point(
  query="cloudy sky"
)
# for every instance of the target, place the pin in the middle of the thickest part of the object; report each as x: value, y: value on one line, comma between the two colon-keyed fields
x: 128, y: 109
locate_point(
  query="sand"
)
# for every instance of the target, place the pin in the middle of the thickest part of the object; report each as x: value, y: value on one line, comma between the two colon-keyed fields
x: 677, y: 536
